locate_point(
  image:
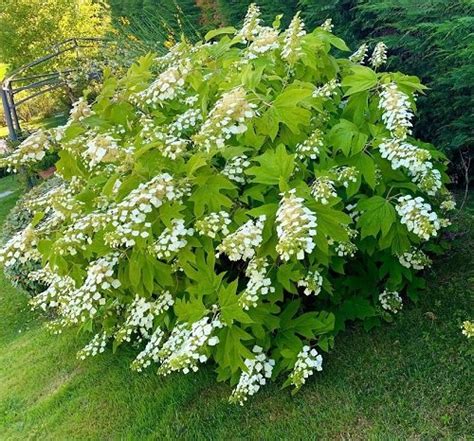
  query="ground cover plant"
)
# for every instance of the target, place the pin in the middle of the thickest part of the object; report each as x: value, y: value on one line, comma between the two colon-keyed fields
x: 237, y: 200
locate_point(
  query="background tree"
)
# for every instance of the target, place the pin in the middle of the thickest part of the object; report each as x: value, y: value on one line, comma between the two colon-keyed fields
x: 28, y: 27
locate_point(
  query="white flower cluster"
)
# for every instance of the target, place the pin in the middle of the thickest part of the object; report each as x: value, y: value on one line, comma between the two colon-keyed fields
x: 468, y: 328
x: 312, y: 283
x: 391, y: 301
x: 379, y: 55
x: 296, y: 227
x: 327, y: 90
x: 345, y: 175
x: 83, y: 303
x: 415, y: 259
x: 129, y: 217
x: 258, y: 370
x: 213, y: 224
x: 169, y: 141
x: 346, y: 248
x: 227, y: 118
x: 265, y: 41
x: 80, y: 110
x: 307, y: 362
x: 259, y: 283
x: 292, y: 50
x: 57, y: 291
x: 397, y: 113
x: 449, y: 204
x: 33, y: 149
x: 150, y: 352
x: 418, y: 216
x: 311, y: 147
x: 140, y: 315
x: 169, y: 85
x: 186, y: 346
x: 327, y: 25
x: 79, y: 235
x: 251, y: 26
x: 101, y: 148
x: 20, y: 248
x: 95, y: 346
x: 360, y: 54
x: 242, y: 243
x: 171, y: 240
x: 174, y: 147
x: 323, y: 190
x: 417, y: 162
x: 235, y: 167
x: 185, y: 122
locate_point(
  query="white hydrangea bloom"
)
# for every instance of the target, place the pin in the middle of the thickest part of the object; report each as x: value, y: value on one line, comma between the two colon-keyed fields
x: 186, y: 122
x: 346, y: 248
x: 327, y: 25
x: 307, y: 362
x: 345, y: 175
x: 83, y: 303
x: 259, y: 283
x: 449, y: 203
x: 415, y: 160
x: 213, y: 224
x: 235, y: 167
x: 360, y: 54
x: 129, y: 217
x: 259, y: 369
x: 418, y: 216
x: 33, y: 149
x: 94, y: 347
x: 397, y: 113
x: 20, y: 248
x: 171, y: 240
x: 468, y: 328
x: 169, y: 85
x: 292, y: 50
x: 58, y: 291
x: 150, y: 352
x: 141, y: 314
x: 242, y: 244
x: 265, y: 41
x: 415, y: 259
x: 101, y: 148
x: 379, y: 55
x: 80, y: 110
x: 391, y: 301
x: 296, y: 227
x: 312, y: 283
x: 323, y: 190
x: 251, y: 26
x: 186, y: 346
x: 226, y: 118
x: 429, y: 180
x: 327, y: 90
x: 311, y: 147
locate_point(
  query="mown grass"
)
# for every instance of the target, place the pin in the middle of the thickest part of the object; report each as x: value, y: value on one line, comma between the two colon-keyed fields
x: 408, y: 380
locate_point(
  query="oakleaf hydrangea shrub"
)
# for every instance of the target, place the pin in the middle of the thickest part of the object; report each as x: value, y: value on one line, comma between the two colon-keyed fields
x: 236, y: 201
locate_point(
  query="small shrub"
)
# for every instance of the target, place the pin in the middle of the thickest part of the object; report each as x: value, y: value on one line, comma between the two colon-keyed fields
x: 240, y: 206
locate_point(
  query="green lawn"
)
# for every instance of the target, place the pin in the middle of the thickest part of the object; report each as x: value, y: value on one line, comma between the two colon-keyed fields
x: 408, y: 380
